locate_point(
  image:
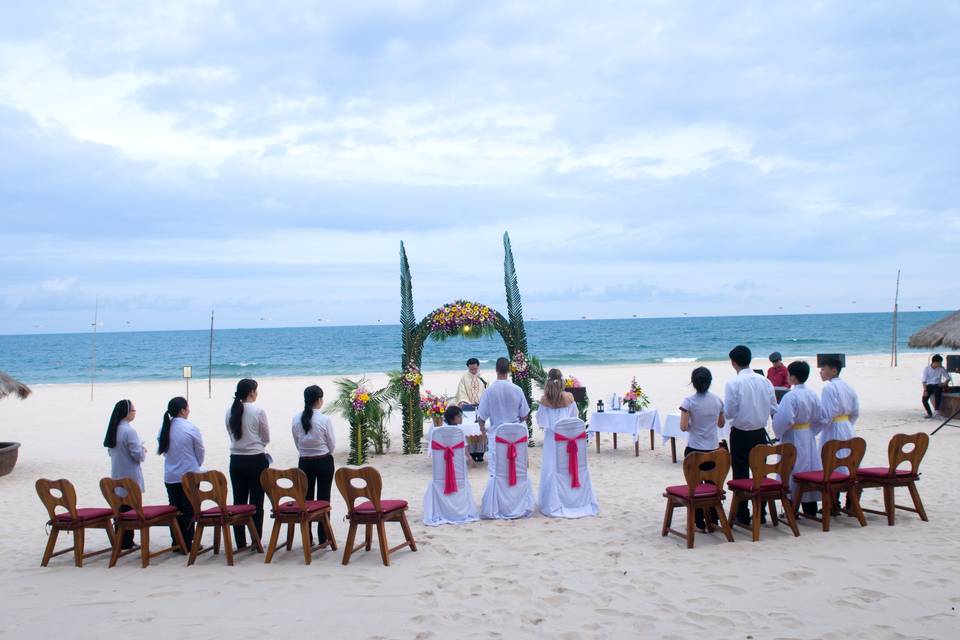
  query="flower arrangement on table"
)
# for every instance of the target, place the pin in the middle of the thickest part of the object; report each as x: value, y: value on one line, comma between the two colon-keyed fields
x: 461, y: 318
x: 571, y: 382
x: 519, y: 366
x: 433, y: 407
x: 573, y: 385
x: 635, y: 396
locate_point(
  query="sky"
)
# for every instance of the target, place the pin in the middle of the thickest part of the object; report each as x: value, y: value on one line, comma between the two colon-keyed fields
x: 160, y: 160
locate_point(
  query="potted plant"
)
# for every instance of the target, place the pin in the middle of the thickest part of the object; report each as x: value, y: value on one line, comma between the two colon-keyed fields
x: 10, y: 450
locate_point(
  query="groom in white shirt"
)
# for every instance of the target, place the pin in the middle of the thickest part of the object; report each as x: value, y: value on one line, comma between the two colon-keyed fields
x: 503, y: 402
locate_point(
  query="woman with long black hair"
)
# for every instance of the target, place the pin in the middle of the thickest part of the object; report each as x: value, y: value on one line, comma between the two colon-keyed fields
x: 249, y: 435
x: 126, y: 451
x: 313, y: 436
x: 181, y: 445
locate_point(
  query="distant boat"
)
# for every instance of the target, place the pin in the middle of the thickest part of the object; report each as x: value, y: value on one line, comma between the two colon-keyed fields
x: 584, y: 318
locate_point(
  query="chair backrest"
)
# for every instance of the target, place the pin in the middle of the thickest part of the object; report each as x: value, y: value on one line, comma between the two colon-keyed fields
x: 761, y: 467
x: 110, y: 487
x: 511, y: 431
x: 701, y: 467
x: 448, y: 436
x: 370, y: 486
x: 65, y: 496
x: 856, y: 448
x: 192, y: 483
x: 897, y: 456
x: 569, y: 428
x: 297, y: 491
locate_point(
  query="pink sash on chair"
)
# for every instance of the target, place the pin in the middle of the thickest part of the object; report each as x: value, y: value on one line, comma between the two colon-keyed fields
x: 572, y: 456
x: 450, y: 473
x: 512, y: 458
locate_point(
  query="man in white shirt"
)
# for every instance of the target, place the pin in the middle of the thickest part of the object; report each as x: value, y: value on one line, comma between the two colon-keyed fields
x: 749, y: 401
x: 503, y: 402
x: 935, y: 378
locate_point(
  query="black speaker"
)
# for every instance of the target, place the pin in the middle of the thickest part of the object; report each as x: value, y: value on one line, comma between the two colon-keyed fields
x: 953, y: 364
x: 823, y: 357
x: 760, y: 371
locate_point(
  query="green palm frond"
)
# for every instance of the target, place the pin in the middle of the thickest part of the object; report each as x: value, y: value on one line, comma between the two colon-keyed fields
x: 514, y: 303
x: 408, y: 321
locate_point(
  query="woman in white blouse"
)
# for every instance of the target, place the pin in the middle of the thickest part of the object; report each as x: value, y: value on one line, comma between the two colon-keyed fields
x: 249, y: 435
x: 181, y: 445
x: 126, y: 452
x: 313, y: 437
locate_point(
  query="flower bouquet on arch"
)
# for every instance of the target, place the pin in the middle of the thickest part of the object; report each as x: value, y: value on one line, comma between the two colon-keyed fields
x: 635, y: 397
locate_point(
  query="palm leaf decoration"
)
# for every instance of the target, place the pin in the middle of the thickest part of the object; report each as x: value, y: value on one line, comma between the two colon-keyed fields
x: 408, y: 399
x: 408, y: 321
x: 514, y: 304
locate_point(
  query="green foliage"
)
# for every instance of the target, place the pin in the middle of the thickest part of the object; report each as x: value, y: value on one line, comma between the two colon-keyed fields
x: 367, y: 426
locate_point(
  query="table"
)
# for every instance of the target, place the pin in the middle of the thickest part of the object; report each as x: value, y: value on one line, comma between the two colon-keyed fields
x: 671, y: 430
x: 470, y: 429
x: 622, y: 421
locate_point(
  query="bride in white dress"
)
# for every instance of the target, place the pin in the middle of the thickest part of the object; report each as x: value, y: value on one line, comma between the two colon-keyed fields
x: 555, y: 405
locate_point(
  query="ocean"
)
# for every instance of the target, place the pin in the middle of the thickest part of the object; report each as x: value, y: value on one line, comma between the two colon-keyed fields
x: 159, y: 355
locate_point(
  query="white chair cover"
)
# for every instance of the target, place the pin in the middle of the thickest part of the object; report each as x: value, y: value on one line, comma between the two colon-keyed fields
x: 558, y: 498
x: 454, y: 508
x: 500, y: 500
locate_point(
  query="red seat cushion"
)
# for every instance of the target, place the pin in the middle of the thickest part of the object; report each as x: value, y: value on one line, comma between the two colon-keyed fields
x: 311, y: 505
x: 386, y: 506
x: 83, y: 515
x: 746, y: 484
x: 150, y: 512
x: 882, y: 472
x: 702, y: 490
x: 817, y: 476
x: 232, y: 510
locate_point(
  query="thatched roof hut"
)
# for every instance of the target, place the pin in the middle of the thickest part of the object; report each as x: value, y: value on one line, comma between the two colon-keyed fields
x: 9, y: 386
x: 945, y: 332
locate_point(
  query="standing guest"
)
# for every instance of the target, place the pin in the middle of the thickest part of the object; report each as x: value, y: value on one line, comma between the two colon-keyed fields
x: 555, y: 405
x: 839, y: 410
x: 503, y: 402
x: 126, y: 452
x: 181, y: 445
x: 469, y: 391
x: 701, y: 416
x: 314, y: 439
x: 749, y: 401
x: 778, y: 374
x: 935, y: 379
x: 796, y: 422
x: 249, y: 435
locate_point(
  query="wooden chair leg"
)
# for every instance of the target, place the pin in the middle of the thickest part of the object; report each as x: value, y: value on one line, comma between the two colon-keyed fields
x: 228, y: 543
x: 254, y: 536
x: 888, y: 504
x: 290, y: 526
x: 854, y: 498
x: 216, y: 541
x: 667, y: 518
x: 917, y: 502
x: 274, y: 537
x: 109, y: 529
x: 382, y: 539
x: 755, y: 522
x: 368, y: 537
x: 406, y: 531
x: 178, y: 536
x: 734, y: 505
x: 117, y: 541
x: 145, y: 547
x: 195, y: 547
x: 351, y: 537
x: 827, y: 507
x: 724, y: 523
x: 790, y: 511
x: 772, y: 510
x: 305, y: 535
x: 690, y: 525
x: 332, y: 539
x: 51, y: 545
x: 78, y: 539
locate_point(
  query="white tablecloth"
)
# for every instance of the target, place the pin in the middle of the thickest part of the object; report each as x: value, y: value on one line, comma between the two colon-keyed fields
x: 469, y: 426
x: 622, y: 421
x: 671, y: 429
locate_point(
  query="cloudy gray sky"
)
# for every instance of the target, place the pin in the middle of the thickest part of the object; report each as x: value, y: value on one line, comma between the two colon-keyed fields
x: 652, y: 158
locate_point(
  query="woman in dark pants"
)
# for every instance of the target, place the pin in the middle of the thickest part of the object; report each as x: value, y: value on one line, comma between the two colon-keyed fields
x: 181, y: 445
x: 313, y: 436
x: 701, y: 416
x: 249, y: 435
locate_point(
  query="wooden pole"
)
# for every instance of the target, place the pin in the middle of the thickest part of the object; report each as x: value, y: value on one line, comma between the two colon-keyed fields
x: 210, y: 361
x: 893, y: 342
x: 93, y: 345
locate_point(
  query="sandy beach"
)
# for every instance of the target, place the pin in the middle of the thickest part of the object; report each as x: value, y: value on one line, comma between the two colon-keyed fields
x: 605, y: 577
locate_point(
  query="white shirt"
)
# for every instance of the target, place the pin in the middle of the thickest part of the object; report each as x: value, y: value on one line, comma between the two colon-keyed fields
x: 704, y: 409
x: 749, y: 400
x: 319, y: 441
x: 125, y: 458
x: 800, y: 405
x: 501, y: 403
x: 935, y: 376
x: 839, y: 399
x: 254, y: 434
x: 185, y: 453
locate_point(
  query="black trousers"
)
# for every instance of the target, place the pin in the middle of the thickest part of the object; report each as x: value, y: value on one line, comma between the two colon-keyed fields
x: 698, y: 515
x: 934, y: 391
x: 741, y: 443
x: 178, y: 498
x: 245, y: 478
x: 319, y: 472
x: 128, y: 534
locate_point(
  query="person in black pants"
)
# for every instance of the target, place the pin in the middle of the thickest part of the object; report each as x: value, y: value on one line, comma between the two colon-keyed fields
x: 249, y: 435
x: 313, y: 436
x: 935, y: 378
x: 245, y: 473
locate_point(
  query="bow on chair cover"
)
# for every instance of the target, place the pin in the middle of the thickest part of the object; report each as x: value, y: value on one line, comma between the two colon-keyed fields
x: 450, y: 473
x: 573, y: 465
x: 512, y: 458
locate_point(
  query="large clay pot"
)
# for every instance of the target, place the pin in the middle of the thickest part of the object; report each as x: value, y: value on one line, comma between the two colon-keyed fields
x: 8, y: 456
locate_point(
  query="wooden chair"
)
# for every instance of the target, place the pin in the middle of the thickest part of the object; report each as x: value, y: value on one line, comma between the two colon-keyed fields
x: 888, y: 478
x: 298, y: 511
x: 829, y: 482
x: 373, y: 512
x: 60, y: 493
x: 763, y: 490
x: 220, y: 518
x: 139, y: 517
x: 705, y: 474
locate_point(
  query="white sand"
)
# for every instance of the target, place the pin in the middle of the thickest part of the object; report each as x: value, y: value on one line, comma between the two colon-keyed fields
x: 603, y: 577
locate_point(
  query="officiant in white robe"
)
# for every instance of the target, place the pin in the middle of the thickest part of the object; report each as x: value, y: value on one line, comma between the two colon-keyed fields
x: 469, y: 390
